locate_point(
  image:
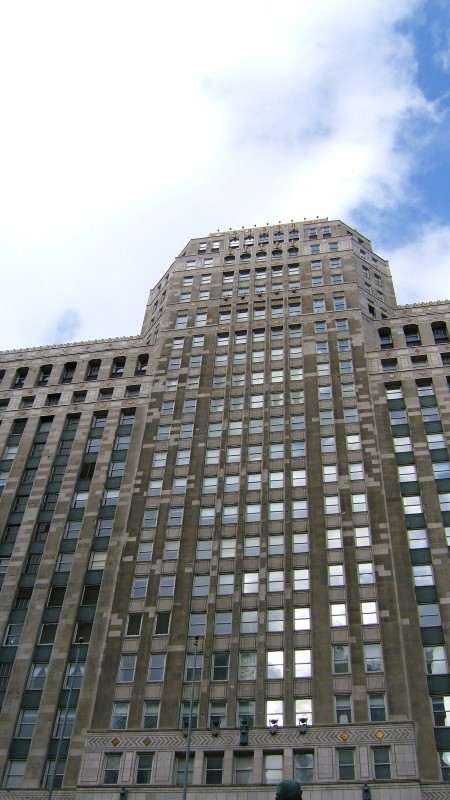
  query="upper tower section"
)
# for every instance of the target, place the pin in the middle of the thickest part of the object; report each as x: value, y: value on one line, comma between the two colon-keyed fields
x: 299, y: 263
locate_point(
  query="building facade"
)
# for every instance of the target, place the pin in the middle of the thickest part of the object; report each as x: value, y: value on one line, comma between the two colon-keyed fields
x: 265, y: 467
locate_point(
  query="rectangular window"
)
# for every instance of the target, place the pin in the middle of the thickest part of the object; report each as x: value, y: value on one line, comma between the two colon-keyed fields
x: 369, y: 613
x: 213, y: 769
x: 119, y: 717
x: 346, y: 764
x: 338, y: 615
x: 273, y: 763
x: 381, y: 763
x: 304, y: 767
x: 126, y: 668
x: 377, y: 708
x: 220, y: 666
x: 302, y: 663
x: 301, y: 579
x: 341, y: 662
x: 243, y: 769
x: 343, y: 709
x: 156, y: 667
x: 249, y: 621
x: 247, y: 666
x: 302, y: 618
x: 111, y: 766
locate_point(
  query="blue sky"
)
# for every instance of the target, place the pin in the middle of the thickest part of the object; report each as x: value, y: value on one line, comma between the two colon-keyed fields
x: 128, y: 129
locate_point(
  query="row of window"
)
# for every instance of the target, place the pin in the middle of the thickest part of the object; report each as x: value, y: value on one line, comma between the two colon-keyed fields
x: 77, y: 397
x: 261, y: 273
x: 214, y: 768
x: 276, y: 479
x: 435, y: 659
x: 217, y: 713
x: 412, y: 336
x: 259, y: 313
x: 276, y: 511
x: 244, y: 768
x: 91, y: 372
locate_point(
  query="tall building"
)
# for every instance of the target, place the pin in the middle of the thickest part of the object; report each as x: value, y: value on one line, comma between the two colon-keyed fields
x: 264, y: 467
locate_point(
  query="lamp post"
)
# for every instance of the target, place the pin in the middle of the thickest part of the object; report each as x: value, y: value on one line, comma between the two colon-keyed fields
x: 189, y: 730
x: 64, y: 720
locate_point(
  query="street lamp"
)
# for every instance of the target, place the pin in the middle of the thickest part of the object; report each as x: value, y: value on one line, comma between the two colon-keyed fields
x: 189, y: 726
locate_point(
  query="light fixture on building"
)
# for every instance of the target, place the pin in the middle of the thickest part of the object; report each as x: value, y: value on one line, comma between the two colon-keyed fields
x: 215, y: 726
x: 273, y: 726
x: 302, y: 724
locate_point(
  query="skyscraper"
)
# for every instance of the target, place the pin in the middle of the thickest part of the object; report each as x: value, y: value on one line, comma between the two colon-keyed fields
x: 265, y: 467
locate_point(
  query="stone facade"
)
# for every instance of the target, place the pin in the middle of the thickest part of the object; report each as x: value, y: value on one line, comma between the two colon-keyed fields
x: 265, y: 466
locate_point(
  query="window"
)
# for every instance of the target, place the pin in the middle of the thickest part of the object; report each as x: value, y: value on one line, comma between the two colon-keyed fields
x: 243, y: 769
x: 156, y: 667
x: 166, y: 586
x: 275, y: 620
x: 298, y: 449
x: 436, y: 660
x: 330, y: 473
x: 377, y: 708
x: 273, y: 762
x: 302, y: 618
x: 249, y: 621
x: 26, y: 724
x: 220, y: 666
x: 162, y: 623
x: 276, y: 545
x: 381, y: 763
x: 225, y: 583
x: 197, y: 625
x: 302, y: 663
x: 336, y: 575
x: 250, y: 582
x: 339, y: 303
x: 338, y: 615
x: 150, y: 714
x: 340, y: 653
x: 119, y: 717
x: 275, y: 580
x: 111, y: 766
x: 222, y: 623
x: 251, y: 546
x: 359, y: 503
x: 64, y: 562
x: 423, y: 575
x: 144, y: 768
x: 134, y: 623
x: 441, y: 711
x: 369, y: 613
x: 328, y: 444
x: 213, y: 768
x: 301, y: 579
x: 303, y: 767
x: 346, y: 764
x: 247, y: 666
x: 253, y: 512
x: 200, y: 586
x: 343, y: 709
x: 118, y: 367
x: 372, y: 657
x: 299, y: 543
x: 230, y: 515
x: 332, y: 504
x: 15, y: 773
x: 353, y: 442
x: 175, y: 517
x: 139, y: 588
x: 36, y: 678
x: 189, y: 667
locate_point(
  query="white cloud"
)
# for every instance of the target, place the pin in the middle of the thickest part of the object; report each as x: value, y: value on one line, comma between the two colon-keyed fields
x: 421, y: 269
x: 129, y: 130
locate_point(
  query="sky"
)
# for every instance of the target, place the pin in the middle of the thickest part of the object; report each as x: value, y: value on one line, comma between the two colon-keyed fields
x: 129, y: 128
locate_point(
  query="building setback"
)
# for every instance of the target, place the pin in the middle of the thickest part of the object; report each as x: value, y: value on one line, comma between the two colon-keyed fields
x: 265, y: 467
